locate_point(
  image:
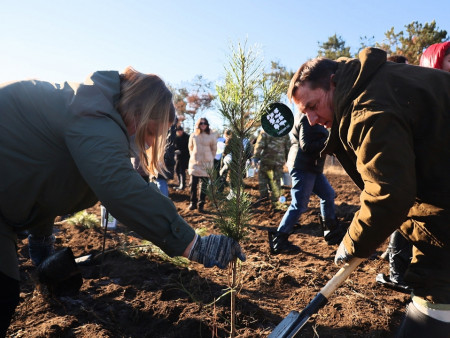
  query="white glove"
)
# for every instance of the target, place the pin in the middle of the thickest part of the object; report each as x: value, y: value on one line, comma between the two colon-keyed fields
x: 342, y: 256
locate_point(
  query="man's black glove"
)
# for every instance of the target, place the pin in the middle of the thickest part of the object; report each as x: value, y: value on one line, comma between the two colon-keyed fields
x: 342, y: 256
x: 336, y: 233
x: 335, y: 236
x: 215, y: 250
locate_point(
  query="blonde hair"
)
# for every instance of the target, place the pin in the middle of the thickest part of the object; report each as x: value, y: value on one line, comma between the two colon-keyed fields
x: 145, y: 98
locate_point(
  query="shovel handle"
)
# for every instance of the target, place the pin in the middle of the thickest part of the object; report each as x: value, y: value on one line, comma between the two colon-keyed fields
x: 293, y: 323
x: 340, y: 276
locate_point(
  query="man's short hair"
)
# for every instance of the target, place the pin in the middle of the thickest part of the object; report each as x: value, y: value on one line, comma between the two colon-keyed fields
x: 316, y: 72
x: 397, y: 59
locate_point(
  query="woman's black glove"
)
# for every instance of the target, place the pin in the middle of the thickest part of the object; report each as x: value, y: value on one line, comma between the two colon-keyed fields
x: 215, y: 250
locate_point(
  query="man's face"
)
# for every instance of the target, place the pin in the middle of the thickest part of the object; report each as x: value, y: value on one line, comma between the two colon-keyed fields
x: 316, y: 104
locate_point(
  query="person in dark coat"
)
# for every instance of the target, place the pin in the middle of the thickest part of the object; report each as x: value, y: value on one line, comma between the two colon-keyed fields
x: 306, y: 169
x: 64, y: 147
x: 389, y: 130
x: 181, y: 144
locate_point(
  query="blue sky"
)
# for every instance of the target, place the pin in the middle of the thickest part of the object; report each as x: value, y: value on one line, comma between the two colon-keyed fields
x: 67, y: 40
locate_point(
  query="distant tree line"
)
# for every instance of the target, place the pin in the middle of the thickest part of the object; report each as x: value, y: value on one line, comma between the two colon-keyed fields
x: 198, y: 95
x: 410, y: 42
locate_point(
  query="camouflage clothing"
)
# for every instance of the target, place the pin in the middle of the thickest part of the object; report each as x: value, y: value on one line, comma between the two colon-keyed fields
x: 272, y: 152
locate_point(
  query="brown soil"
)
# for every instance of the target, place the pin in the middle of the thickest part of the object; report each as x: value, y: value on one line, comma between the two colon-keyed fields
x: 136, y: 292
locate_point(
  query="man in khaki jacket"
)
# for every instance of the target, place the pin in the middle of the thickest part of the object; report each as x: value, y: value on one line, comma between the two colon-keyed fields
x: 389, y: 129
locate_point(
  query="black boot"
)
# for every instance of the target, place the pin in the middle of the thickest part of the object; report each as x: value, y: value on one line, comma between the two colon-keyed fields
x: 400, y: 253
x: 333, y: 230
x: 192, y: 206
x: 279, y: 243
x: 386, y: 281
x: 200, y: 207
x: 181, y: 181
x: 40, y: 248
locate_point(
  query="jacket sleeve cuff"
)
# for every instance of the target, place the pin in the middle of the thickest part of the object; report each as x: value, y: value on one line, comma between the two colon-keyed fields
x: 349, y: 244
x: 181, y: 235
x: 355, y: 247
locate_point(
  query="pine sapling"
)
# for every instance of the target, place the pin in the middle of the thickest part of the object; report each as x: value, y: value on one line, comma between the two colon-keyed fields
x: 245, y: 94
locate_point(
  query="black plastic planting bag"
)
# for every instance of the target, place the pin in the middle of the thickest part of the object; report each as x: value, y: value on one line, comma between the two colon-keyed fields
x: 60, y: 274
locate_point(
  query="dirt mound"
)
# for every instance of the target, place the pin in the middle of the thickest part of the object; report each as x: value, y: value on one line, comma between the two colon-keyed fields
x: 134, y: 291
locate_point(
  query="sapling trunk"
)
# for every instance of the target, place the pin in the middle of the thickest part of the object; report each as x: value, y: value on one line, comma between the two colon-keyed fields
x: 233, y: 297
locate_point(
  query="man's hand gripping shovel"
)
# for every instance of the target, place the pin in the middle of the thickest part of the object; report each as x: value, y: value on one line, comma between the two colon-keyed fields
x: 294, y: 321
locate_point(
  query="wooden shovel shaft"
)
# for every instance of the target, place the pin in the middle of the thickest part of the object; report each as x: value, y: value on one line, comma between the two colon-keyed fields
x: 340, y: 277
x: 293, y: 323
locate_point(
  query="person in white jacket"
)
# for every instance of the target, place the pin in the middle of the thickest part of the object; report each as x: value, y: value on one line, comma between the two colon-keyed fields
x: 202, y: 150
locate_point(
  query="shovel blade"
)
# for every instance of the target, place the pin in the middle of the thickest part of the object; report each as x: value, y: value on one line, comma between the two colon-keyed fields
x: 291, y: 325
x: 285, y: 327
x: 294, y: 321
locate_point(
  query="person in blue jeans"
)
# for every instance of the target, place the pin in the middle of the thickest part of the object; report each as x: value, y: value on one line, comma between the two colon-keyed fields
x: 306, y: 169
x: 169, y: 161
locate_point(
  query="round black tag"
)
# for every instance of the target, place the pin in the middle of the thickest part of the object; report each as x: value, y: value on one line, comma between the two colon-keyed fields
x: 278, y: 120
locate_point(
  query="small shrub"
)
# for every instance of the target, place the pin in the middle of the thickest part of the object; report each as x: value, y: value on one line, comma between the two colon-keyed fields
x: 84, y: 219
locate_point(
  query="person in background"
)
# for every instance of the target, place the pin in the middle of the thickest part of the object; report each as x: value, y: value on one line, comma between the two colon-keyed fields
x: 221, y: 167
x: 391, y: 136
x: 181, y: 156
x: 169, y: 162
x: 271, y: 152
x: 399, y: 251
x: 66, y: 146
x: 437, y: 56
x: 305, y: 166
x: 231, y: 158
x: 220, y: 148
x: 202, y: 150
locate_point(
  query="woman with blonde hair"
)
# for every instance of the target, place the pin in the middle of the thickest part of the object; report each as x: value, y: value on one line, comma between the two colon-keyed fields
x: 66, y: 146
x: 202, y: 150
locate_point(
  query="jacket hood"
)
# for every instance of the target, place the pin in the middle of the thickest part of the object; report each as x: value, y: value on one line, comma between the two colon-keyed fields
x: 434, y: 55
x: 108, y: 82
x: 99, y: 93
x: 350, y: 79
